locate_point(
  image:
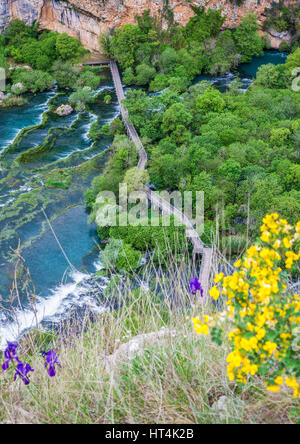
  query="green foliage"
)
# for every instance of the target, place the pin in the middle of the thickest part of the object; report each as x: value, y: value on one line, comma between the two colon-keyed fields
x: 33, y: 81
x: 293, y: 60
x: 136, y: 179
x: 95, y: 131
x: 11, y: 101
x: 123, y: 157
x: 204, y: 24
x: 225, y: 55
x: 151, y: 55
x: 125, y: 43
x: 248, y: 41
x: 110, y: 254
x: 120, y: 256
x: 88, y: 78
x: 39, y: 51
x: 144, y: 74
x: 271, y: 76
x: 81, y: 97
x: 128, y: 259
x: 69, y: 48
x: 17, y: 32
x: 282, y: 18
x: 65, y: 73
x: 230, y: 145
x: 210, y: 101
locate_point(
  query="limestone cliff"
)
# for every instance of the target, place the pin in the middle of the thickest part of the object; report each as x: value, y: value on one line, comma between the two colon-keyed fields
x: 87, y: 18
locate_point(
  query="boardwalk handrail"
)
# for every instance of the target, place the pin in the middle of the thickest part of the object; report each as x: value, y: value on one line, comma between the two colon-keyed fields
x: 165, y: 206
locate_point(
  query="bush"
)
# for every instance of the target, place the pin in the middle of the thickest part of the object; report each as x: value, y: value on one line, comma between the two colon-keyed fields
x: 129, y: 259
x: 264, y: 312
x: 81, y: 97
x: 65, y: 74
x: 69, y: 48
x: 33, y: 81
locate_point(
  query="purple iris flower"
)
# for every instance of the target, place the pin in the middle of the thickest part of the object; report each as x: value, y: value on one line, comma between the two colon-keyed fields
x: 51, y: 359
x: 22, y: 370
x: 10, y: 354
x: 195, y: 286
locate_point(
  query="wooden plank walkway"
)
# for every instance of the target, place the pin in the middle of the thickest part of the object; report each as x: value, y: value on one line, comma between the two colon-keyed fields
x: 166, y: 207
x: 95, y: 63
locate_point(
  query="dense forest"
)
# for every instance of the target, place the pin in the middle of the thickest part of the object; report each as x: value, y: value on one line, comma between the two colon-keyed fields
x: 41, y: 60
x: 240, y: 148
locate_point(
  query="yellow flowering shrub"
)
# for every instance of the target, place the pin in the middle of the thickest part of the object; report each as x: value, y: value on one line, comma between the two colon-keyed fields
x: 263, y: 311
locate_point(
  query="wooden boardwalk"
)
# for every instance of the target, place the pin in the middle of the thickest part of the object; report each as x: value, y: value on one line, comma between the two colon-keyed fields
x: 198, y: 246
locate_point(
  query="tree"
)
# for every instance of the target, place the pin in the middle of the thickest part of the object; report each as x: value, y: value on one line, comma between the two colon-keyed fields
x: 144, y: 74
x: 109, y: 255
x: 136, y: 179
x: 176, y: 115
x: 247, y: 40
x: 69, y: 48
x: 88, y: 78
x: 168, y: 59
x: 225, y: 55
x: 210, y: 101
x: 271, y: 76
x: 128, y: 259
x: 293, y: 60
x: 124, y: 44
x: 81, y: 97
x: 18, y: 32
x: 129, y: 77
x: 65, y: 73
x: 204, y: 24
x: 279, y: 136
x: 231, y: 169
x: 34, y: 81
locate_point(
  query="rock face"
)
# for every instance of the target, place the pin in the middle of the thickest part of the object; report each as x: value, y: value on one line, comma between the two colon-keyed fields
x: 87, y: 18
x: 276, y: 38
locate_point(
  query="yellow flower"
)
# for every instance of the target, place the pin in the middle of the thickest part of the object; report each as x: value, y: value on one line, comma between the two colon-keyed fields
x: 286, y: 242
x: 238, y: 263
x: 270, y: 347
x: 200, y: 327
x: 219, y: 277
x: 265, y: 237
x: 279, y: 380
x: 256, y: 306
x: 273, y: 388
x: 214, y: 293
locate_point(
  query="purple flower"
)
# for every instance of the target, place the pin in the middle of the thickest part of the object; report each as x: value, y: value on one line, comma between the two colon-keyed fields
x: 22, y: 370
x: 51, y: 359
x: 10, y: 354
x: 195, y: 286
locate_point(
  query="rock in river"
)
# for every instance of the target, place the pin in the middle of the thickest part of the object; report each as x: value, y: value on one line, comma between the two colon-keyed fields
x: 64, y: 110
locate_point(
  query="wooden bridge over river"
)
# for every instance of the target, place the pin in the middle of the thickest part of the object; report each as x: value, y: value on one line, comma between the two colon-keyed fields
x: 199, y: 249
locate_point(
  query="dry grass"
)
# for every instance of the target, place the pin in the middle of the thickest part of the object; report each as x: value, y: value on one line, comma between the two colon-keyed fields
x: 174, y: 380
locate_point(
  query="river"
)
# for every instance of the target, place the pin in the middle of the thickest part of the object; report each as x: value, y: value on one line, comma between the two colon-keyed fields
x: 51, y: 142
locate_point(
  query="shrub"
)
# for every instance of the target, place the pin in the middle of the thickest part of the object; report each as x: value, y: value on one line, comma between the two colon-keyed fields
x: 33, y: 81
x: 263, y: 310
x: 81, y: 97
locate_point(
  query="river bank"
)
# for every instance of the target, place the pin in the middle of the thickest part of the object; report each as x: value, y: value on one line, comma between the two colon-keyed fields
x: 23, y: 194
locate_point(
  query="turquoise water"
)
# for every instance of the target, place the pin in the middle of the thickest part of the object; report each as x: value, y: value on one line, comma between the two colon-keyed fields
x: 53, y: 143
x: 48, y: 142
x: 250, y: 69
x: 246, y: 72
